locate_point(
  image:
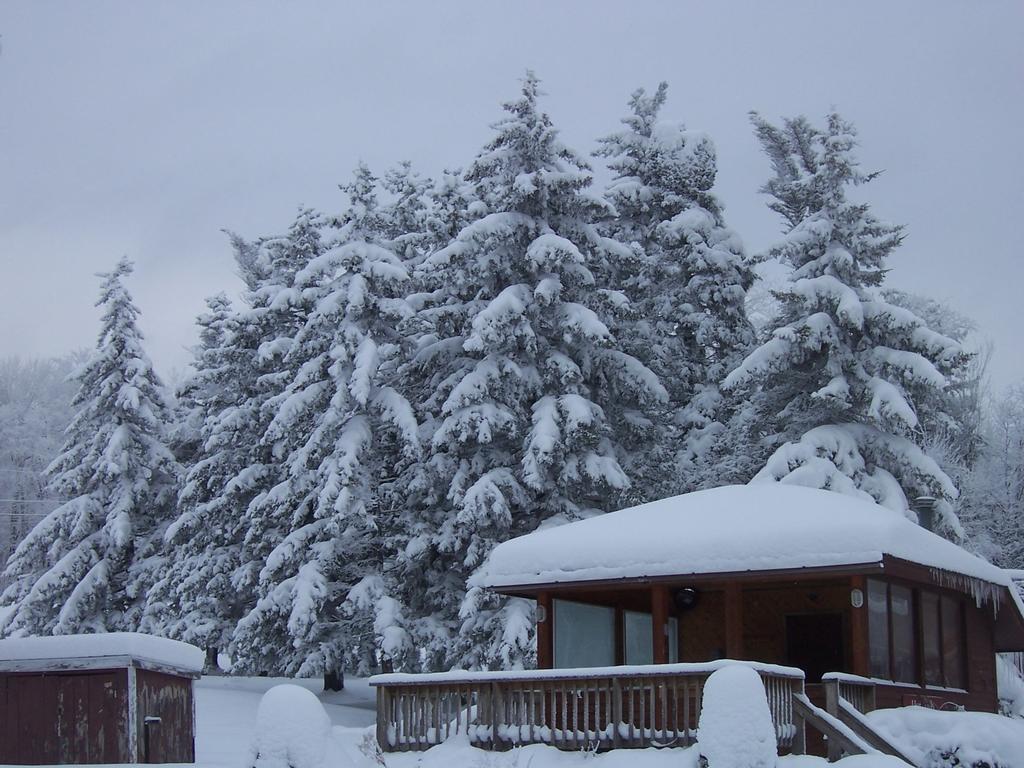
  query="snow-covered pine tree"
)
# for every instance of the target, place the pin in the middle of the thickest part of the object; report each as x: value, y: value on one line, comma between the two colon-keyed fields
x: 451, y: 207
x: 223, y: 532
x: 522, y: 370
x: 840, y: 385
x: 953, y: 428
x: 403, y: 220
x: 341, y: 429
x: 193, y: 598
x: 687, y: 286
x: 992, y: 500
x: 87, y: 565
x: 199, y: 390
x: 264, y: 336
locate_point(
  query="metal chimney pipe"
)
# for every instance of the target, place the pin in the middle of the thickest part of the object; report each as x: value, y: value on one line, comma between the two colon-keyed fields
x: 924, y: 506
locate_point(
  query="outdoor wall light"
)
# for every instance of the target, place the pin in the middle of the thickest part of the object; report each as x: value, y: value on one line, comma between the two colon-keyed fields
x: 685, y: 598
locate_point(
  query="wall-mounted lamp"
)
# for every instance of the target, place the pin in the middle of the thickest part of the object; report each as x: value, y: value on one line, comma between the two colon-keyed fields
x: 685, y: 598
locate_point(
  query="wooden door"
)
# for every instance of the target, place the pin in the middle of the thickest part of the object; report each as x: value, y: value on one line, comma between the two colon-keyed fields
x: 814, y: 643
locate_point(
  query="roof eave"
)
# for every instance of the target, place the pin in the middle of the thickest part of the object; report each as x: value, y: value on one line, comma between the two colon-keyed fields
x: 628, y: 582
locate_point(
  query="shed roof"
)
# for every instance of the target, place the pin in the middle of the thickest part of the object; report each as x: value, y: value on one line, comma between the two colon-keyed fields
x: 731, y: 529
x: 107, y: 650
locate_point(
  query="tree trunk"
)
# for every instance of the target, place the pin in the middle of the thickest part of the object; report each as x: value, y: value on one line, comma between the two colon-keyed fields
x: 334, y: 680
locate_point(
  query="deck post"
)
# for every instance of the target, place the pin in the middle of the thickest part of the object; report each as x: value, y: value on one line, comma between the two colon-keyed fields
x: 545, y: 631
x: 616, y: 710
x: 835, y: 749
x: 659, y: 623
x: 497, y: 712
x: 383, y: 716
x: 800, y: 737
x: 733, y: 621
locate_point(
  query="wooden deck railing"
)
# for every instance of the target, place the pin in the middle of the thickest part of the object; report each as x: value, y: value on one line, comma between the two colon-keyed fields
x: 847, y: 699
x: 858, y: 691
x: 621, y: 707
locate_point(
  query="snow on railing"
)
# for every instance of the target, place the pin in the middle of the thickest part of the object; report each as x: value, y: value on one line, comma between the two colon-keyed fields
x: 622, y: 707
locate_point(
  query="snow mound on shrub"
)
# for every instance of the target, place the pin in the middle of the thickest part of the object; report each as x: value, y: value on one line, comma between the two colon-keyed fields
x: 735, y: 728
x: 294, y: 731
x: 937, y: 738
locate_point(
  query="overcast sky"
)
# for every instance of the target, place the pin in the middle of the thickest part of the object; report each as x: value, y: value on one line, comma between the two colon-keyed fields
x: 145, y: 128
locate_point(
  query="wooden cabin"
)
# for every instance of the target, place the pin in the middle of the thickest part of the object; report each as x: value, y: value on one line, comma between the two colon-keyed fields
x: 841, y: 605
x: 100, y: 698
x: 775, y: 574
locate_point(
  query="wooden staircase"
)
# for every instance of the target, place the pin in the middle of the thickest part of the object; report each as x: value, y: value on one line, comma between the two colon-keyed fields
x: 842, y: 722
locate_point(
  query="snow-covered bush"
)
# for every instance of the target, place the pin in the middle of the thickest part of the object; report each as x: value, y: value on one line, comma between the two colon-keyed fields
x: 293, y: 731
x: 942, y: 739
x: 735, y: 728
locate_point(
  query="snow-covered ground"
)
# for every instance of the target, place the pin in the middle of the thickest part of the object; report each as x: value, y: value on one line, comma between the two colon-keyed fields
x: 226, y: 714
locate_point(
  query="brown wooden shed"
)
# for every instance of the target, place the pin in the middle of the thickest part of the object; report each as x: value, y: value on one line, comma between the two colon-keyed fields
x: 99, y: 698
x: 770, y: 573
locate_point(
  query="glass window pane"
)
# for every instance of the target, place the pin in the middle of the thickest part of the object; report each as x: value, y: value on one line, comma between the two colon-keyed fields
x: 639, y: 640
x: 878, y: 628
x: 930, y: 638
x: 584, y: 635
x: 952, y: 643
x: 904, y: 647
x: 673, y: 640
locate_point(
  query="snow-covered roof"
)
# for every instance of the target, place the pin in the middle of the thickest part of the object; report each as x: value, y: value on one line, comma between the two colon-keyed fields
x: 111, y: 648
x: 738, y: 528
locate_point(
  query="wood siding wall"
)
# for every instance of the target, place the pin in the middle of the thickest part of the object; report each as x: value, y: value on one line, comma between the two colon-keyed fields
x: 53, y: 718
x: 168, y: 697
x: 765, y: 612
x: 702, y: 628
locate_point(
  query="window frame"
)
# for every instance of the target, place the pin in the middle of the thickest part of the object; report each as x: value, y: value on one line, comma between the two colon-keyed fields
x: 945, y: 598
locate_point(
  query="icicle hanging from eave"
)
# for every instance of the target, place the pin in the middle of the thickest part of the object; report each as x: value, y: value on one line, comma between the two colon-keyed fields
x: 981, y: 590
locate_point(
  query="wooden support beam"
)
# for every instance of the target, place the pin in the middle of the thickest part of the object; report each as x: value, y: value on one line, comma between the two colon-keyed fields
x: 659, y: 622
x: 734, y: 621
x: 860, y: 661
x: 545, y: 631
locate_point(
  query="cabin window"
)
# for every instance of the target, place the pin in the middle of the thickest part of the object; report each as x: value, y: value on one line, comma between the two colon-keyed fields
x: 896, y: 633
x: 931, y: 638
x: 904, y: 643
x: 953, y: 645
x: 892, y: 639
x: 638, y: 638
x: 878, y: 627
x: 584, y: 635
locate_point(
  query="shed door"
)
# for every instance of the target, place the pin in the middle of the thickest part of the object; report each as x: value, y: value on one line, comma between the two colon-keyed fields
x: 814, y: 643
x: 165, y: 718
